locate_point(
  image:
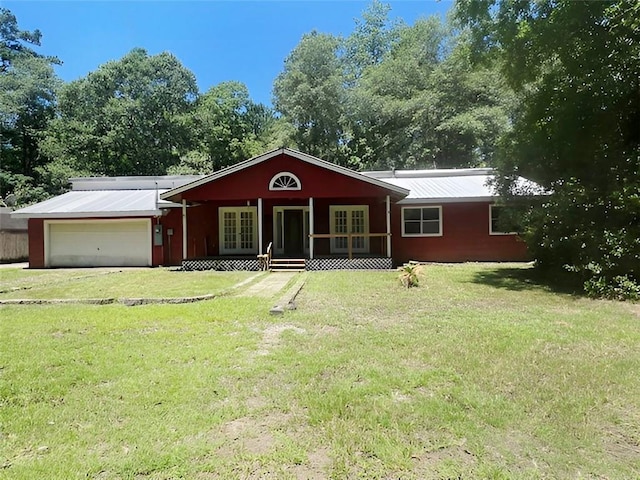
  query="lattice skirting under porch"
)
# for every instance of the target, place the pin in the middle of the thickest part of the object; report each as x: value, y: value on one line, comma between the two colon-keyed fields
x: 221, y: 264
x: 373, y: 263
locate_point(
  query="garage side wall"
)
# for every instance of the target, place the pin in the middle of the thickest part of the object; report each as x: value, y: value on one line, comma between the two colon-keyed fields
x: 36, y: 243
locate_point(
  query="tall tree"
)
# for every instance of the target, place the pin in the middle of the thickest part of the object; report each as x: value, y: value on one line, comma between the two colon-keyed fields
x: 126, y: 118
x: 310, y: 94
x: 577, y: 67
x: 27, y: 102
x: 228, y: 128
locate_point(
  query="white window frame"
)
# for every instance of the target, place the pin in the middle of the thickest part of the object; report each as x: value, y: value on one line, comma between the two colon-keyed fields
x: 415, y: 207
x: 491, y: 232
x: 332, y: 226
x: 277, y: 176
x: 238, y: 250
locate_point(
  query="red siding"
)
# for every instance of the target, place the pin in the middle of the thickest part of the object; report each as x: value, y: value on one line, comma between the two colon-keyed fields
x: 36, y: 243
x: 253, y: 182
x: 465, y: 228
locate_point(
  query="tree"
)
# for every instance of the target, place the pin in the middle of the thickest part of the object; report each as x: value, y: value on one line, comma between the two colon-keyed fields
x: 310, y: 93
x: 425, y: 105
x: 129, y: 117
x: 28, y: 87
x: 228, y: 128
x: 576, y: 66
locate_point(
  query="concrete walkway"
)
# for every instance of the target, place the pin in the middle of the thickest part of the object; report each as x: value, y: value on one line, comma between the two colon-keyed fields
x: 269, y: 285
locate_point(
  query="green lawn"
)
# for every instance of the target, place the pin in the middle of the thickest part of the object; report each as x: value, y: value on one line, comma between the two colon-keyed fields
x: 479, y: 373
x: 114, y: 283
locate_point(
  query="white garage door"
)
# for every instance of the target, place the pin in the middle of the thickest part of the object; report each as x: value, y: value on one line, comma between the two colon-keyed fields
x: 101, y: 243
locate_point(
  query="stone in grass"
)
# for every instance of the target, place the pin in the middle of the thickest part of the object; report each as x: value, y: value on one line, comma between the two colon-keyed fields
x: 277, y: 310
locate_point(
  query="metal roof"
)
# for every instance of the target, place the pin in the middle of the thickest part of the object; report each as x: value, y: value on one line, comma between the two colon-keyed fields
x: 444, y: 186
x: 98, y: 203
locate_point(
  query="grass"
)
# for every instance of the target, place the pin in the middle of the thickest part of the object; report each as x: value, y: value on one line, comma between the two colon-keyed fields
x: 481, y: 372
x: 114, y: 283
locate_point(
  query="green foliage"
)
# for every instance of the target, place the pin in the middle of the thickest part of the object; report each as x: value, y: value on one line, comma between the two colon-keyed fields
x: 310, y: 95
x: 227, y: 126
x: 576, y: 66
x: 126, y: 118
x: 392, y: 95
x: 27, y: 104
x: 410, y: 274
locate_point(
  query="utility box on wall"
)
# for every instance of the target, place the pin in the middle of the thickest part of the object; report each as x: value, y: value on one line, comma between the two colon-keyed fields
x: 157, y: 235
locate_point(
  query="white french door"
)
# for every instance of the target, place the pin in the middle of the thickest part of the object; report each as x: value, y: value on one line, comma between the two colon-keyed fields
x: 349, y: 219
x: 238, y: 230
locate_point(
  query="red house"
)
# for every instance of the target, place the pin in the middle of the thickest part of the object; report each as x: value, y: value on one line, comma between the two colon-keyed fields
x: 286, y: 203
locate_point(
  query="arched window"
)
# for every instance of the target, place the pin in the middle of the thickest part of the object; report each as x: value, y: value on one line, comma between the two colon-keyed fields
x: 285, y: 181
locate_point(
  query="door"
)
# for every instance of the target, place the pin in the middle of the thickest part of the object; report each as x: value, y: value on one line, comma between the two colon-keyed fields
x: 99, y: 243
x: 293, y: 233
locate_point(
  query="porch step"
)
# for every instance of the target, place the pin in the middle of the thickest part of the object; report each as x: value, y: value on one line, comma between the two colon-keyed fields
x: 287, y: 264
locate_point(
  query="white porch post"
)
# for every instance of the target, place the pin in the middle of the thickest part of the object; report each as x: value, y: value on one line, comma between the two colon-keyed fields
x: 311, y: 227
x: 184, y: 229
x: 260, y: 226
x: 388, y: 226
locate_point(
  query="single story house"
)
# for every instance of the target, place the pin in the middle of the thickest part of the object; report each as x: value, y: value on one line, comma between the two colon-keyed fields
x: 295, y: 205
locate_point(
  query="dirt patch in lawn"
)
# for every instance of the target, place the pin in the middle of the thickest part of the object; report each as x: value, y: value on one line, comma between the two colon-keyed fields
x: 271, y: 337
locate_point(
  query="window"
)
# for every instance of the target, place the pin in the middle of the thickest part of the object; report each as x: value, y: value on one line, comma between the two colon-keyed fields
x: 502, y: 221
x: 238, y: 230
x: 349, y: 219
x: 285, y: 181
x: 422, y: 221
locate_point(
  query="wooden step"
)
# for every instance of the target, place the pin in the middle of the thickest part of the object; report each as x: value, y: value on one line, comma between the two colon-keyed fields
x: 287, y: 264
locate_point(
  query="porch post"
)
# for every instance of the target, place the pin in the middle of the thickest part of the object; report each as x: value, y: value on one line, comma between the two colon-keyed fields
x: 311, y: 228
x: 260, y: 225
x: 184, y: 229
x: 388, y: 226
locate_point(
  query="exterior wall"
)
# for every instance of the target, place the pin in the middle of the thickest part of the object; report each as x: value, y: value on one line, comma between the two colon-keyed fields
x: 36, y: 243
x: 465, y: 237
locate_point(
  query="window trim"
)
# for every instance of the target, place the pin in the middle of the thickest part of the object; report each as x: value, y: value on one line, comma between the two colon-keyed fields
x: 491, y: 232
x: 277, y: 176
x: 237, y: 251
x: 332, y: 227
x: 415, y: 207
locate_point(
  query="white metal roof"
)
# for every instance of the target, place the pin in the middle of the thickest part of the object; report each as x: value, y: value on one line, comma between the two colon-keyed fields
x: 164, y: 182
x: 444, y: 185
x: 98, y: 203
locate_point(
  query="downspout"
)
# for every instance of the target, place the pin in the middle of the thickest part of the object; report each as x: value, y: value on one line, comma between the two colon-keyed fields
x: 184, y: 229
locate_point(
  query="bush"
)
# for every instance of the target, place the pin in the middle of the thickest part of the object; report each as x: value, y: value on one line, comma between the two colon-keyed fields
x: 410, y: 274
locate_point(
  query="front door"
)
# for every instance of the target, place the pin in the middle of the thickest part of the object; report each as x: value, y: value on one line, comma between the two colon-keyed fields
x: 293, y: 233
x: 290, y: 231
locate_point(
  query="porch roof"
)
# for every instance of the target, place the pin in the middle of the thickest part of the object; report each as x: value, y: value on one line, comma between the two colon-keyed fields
x: 174, y: 193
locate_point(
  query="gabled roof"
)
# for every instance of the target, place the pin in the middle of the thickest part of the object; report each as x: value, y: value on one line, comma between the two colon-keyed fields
x: 292, y: 153
x: 446, y: 185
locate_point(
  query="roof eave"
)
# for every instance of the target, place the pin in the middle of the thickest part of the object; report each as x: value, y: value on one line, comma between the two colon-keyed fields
x: 416, y: 201
x: 109, y: 214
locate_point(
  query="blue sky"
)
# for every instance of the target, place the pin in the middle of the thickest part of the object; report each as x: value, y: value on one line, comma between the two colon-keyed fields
x: 246, y: 41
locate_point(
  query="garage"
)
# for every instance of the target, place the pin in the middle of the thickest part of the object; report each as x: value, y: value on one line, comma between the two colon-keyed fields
x: 98, y: 243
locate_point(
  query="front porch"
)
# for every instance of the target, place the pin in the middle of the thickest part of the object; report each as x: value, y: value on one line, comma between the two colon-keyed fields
x: 252, y: 263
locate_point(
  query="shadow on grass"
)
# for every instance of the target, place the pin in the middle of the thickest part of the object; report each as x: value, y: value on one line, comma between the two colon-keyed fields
x: 520, y: 279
